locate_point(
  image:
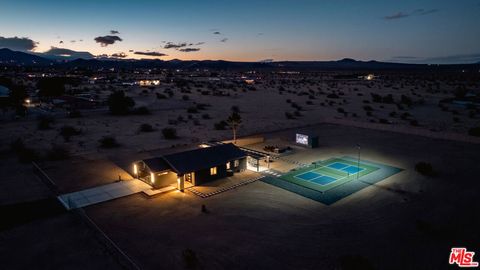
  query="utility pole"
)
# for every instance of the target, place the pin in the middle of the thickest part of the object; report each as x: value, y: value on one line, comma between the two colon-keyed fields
x: 358, y: 161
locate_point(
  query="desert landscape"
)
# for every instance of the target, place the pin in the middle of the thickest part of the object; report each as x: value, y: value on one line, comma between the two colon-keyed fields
x: 202, y: 135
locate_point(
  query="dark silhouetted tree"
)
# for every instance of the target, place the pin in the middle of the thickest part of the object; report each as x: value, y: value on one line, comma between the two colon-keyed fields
x: 51, y: 87
x: 119, y: 104
x: 234, y: 121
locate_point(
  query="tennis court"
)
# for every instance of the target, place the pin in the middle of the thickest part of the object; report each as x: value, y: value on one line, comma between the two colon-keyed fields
x: 325, y: 175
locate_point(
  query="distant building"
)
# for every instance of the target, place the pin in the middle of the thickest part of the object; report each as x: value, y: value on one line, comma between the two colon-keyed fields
x: 148, y: 82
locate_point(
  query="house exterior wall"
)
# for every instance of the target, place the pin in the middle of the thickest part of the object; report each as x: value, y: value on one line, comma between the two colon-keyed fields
x: 163, y: 180
x: 203, y: 176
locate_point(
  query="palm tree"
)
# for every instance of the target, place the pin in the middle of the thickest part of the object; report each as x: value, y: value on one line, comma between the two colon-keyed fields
x: 234, y: 121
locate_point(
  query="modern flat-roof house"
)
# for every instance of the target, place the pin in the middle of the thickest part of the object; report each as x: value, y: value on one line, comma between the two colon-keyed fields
x: 192, y: 167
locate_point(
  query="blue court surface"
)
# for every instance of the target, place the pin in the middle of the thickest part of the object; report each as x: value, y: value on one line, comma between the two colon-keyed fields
x: 308, y: 176
x: 316, y: 178
x: 324, y: 180
x: 338, y: 165
x: 345, y: 167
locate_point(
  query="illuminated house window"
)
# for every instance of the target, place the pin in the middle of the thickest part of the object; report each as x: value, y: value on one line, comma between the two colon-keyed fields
x: 228, y: 165
x: 213, y: 171
x: 236, y: 163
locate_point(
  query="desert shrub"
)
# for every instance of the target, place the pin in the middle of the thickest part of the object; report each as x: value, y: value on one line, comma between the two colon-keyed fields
x: 475, y: 131
x: 74, y: 114
x: 45, y: 122
x: 161, y: 96
x: 141, y: 111
x: 58, y: 153
x: 355, y: 262
x: 384, y: 121
x: 202, y: 106
x: 108, y: 142
x: 368, y: 108
x: 414, y: 123
x: 332, y: 95
x: 68, y: 131
x: 340, y: 110
x: 146, y: 128
x: 425, y: 168
x: 24, y: 153
x: 298, y: 113
x: 289, y: 115
x: 119, y: 104
x: 206, y: 116
x: 222, y: 125
x: 185, y: 97
x: 189, y: 258
x: 235, y: 109
x: 169, y: 133
x: 192, y: 110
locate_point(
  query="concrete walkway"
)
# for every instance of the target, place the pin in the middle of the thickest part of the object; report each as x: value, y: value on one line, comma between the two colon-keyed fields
x: 102, y: 193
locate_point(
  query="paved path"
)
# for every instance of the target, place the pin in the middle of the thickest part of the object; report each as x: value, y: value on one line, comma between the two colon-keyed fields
x: 103, y: 193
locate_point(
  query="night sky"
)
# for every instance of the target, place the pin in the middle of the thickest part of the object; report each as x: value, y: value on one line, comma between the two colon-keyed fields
x: 402, y: 31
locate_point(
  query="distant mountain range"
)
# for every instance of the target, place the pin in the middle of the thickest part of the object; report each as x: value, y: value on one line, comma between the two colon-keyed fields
x: 9, y: 57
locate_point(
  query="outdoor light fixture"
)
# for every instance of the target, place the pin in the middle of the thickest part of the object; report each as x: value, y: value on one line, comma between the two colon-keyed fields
x: 135, y: 169
x: 152, y: 178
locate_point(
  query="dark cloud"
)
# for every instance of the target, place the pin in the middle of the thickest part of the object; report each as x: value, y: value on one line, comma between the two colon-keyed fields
x: 424, y: 12
x: 397, y: 15
x: 130, y: 50
x: 114, y: 32
x: 405, y: 57
x: 417, y: 12
x: 190, y: 50
x: 107, y: 40
x: 217, y: 33
x: 266, y: 60
x: 73, y: 41
x: 171, y: 45
x: 119, y: 55
x: 224, y: 40
x: 18, y: 44
x: 199, y: 43
x: 67, y: 53
x: 156, y: 54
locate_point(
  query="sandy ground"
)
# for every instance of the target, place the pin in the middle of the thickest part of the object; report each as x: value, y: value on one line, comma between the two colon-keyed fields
x: 263, y: 109
x: 60, y: 241
x: 407, y: 221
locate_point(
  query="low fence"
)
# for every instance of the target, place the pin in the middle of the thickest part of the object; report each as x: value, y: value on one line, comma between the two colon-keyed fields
x: 247, y: 140
x: 44, y: 177
x: 123, y: 259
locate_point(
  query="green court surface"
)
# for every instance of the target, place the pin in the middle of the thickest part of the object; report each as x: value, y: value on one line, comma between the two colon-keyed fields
x: 325, y: 175
x: 334, y: 179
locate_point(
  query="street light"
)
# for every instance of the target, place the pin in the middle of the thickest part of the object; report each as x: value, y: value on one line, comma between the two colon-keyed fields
x: 358, y: 161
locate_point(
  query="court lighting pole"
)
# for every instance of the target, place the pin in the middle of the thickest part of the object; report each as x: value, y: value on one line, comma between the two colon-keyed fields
x: 358, y: 161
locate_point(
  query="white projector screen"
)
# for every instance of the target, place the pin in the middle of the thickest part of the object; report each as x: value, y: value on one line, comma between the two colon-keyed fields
x: 301, y: 139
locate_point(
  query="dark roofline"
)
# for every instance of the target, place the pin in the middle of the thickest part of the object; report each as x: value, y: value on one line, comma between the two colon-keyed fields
x: 188, y: 161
